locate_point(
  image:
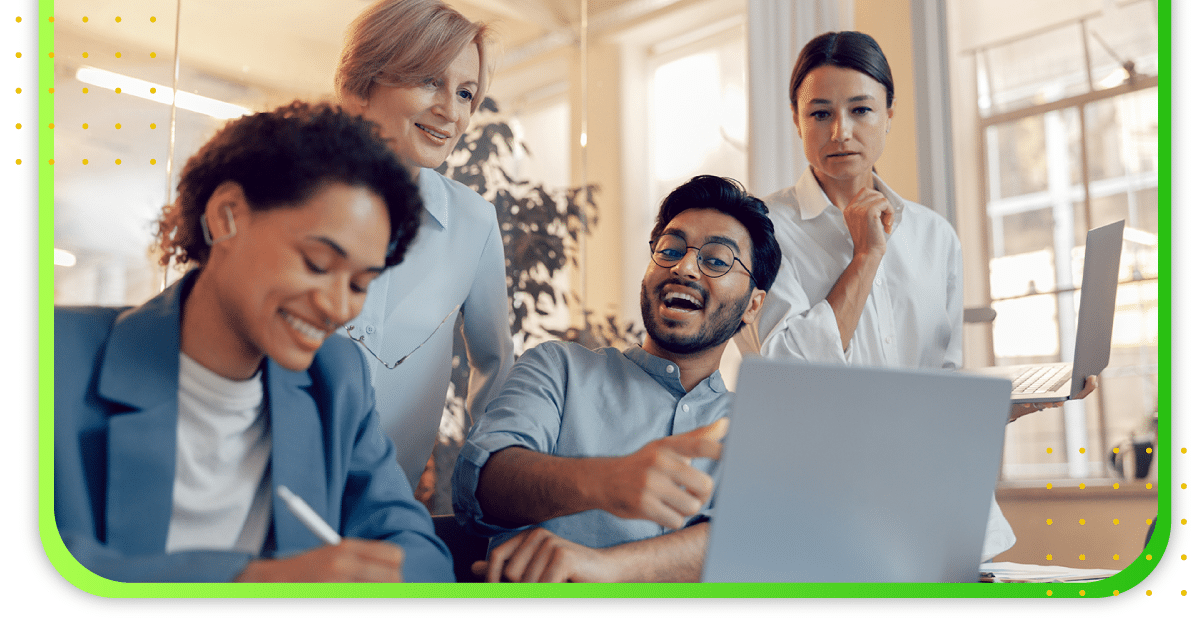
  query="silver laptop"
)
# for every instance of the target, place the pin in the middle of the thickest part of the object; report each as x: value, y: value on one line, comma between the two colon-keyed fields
x: 1053, y: 382
x: 838, y: 474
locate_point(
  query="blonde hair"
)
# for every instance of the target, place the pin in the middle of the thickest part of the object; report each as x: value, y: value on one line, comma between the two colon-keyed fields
x: 405, y: 42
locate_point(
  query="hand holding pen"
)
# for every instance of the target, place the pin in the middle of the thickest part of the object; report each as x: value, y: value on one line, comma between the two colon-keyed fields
x: 338, y: 560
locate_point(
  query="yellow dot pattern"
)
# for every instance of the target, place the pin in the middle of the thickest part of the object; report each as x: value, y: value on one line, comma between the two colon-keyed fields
x: 1049, y: 450
x: 1082, y: 450
x: 1116, y: 486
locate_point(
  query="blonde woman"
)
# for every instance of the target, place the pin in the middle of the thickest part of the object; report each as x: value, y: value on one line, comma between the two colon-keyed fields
x: 419, y: 69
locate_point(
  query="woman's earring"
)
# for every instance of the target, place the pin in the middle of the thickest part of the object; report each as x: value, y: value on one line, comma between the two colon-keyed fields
x: 208, y: 235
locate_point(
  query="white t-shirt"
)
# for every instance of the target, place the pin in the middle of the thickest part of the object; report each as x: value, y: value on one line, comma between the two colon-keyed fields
x: 221, y: 497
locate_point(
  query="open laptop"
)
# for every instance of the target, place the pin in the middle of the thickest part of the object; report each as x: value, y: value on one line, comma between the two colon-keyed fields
x: 839, y: 474
x: 1053, y: 382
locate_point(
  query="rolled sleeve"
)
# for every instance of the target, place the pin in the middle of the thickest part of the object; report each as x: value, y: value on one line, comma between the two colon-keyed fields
x: 527, y: 413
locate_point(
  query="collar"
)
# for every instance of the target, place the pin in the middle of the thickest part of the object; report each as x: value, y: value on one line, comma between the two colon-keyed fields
x: 813, y: 201
x: 657, y: 368
x: 435, y: 195
x: 141, y: 366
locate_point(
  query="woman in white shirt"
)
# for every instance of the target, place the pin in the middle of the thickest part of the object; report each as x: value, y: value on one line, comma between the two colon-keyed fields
x: 420, y: 69
x: 868, y: 278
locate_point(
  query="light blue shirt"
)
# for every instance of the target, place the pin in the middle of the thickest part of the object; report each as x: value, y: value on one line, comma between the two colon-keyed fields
x: 565, y: 400
x: 456, y: 260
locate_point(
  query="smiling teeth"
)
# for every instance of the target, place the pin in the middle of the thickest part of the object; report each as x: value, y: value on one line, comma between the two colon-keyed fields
x: 433, y: 132
x: 674, y: 295
x: 304, y: 328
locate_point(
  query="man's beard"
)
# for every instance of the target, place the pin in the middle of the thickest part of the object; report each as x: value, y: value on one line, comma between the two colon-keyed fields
x: 718, y: 328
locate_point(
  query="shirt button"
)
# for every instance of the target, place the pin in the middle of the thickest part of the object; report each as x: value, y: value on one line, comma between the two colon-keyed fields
x: 370, y: 329
x: 670, y: 369
x: 878, y: 282
x: 887, y: 340
x: 686, y: 408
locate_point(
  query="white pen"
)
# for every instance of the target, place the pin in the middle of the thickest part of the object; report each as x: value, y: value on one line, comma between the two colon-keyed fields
x: 311, y: 519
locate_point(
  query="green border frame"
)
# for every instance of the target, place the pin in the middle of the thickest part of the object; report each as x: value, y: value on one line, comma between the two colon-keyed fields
x: 87, y: 581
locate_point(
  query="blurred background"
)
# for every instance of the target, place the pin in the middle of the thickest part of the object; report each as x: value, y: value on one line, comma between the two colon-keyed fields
x: 1025, y: 123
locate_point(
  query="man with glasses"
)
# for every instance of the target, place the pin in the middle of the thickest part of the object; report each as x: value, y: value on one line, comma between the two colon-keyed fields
x: 596, y: 465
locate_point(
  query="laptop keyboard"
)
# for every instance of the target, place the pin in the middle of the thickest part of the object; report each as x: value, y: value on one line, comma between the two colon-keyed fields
x: 1037, y: 379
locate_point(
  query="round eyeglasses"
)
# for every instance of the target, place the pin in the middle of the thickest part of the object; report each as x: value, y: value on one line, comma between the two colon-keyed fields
x: 714, y: 259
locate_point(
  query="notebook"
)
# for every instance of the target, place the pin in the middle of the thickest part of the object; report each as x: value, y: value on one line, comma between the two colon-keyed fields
x: 1053, y: 382
x: 841, y: 474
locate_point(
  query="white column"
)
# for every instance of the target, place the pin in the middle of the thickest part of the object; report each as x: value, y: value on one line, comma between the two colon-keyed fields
x: 776, y: 31
x: 931, y: 85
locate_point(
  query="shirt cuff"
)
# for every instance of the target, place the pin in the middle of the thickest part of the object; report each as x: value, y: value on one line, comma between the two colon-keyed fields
x: 465, y: 481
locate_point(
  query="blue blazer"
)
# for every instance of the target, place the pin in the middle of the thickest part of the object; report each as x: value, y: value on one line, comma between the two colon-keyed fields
x: 116, y: 389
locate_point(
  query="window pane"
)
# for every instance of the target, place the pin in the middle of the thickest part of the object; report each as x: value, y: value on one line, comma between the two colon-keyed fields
x: 1028, y: 231
x: 1122, y: 136
x: 1026, y: 329
x: 1121, y: 35
x: 1038, y: 69
x: 1017, y: 158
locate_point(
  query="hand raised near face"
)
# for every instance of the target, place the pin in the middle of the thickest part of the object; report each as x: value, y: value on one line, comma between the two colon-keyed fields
x: 869, y: 217
x: 658, y: 482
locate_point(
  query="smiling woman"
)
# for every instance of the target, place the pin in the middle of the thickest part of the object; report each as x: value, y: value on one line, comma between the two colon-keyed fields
x: 175, y: 421
x: 419, y: 69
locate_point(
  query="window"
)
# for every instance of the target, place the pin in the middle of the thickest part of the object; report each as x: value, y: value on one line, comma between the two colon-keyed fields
x: 1068, y: 124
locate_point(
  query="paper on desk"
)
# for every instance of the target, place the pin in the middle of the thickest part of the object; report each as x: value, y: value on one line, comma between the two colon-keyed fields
x: 1014, y: 572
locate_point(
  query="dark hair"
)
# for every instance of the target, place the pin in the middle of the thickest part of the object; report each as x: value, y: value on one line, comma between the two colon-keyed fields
x: 727, y: 195
x: 283, y: 158
x: 844, y: 49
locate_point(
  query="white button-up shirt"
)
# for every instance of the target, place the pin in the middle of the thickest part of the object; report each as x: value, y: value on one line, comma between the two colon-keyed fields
x: 912, y: 318
x: 456, y: 260
x: 913, y: 315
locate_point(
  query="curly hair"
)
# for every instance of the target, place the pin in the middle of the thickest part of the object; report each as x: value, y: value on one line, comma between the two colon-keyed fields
x: 727, y: 195
x: 283, y: 158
